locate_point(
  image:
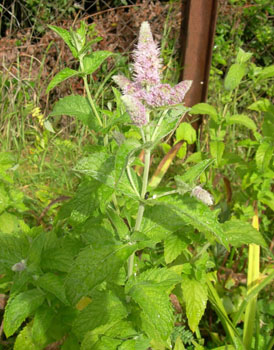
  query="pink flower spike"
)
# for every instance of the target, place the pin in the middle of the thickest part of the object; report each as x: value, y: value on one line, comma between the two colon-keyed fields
x: 147, y: 63
x: 136, y: 110
x: 121, y: 81
x: 179, y: 91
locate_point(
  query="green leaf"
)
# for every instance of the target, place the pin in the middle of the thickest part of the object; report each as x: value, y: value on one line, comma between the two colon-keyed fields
x: 157, y: 316
x: 99, y: 343
x: 216, y: 150
x: 119, y: 224
x: 66, y: 36
x: 263, y: 156
x: 41, y: 323
x: 64, y: 74
x: 174, y: 245
x: 24, y: 340
x: 171, y: 119
x: 192, y: 175
x: 53, y: 284
x: 13, y: 249
x: 240, y: 232
x: 19, y: 308
x: 101, y: 167
x: 243, y: 56
x: 93, y: 266
x: 173, y: 213
x: 186, y: 132
x: 265, y: 73
x: 76, y: 106
x: 195, y: 297
x: 71, y: 343
x: 178, y: 344
x: 262, y: 105
x: 94, y: 61
x: 242, y: 119
x: 205, y: 108
x: 9, y: 223
x: 234, y: 76
x: 104, y: 308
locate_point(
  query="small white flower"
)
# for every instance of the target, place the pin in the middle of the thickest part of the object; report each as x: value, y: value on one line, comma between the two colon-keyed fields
x: 202, y: 195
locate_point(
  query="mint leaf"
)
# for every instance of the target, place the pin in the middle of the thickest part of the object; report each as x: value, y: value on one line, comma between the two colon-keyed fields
x: 19, y: 308
x: 195, y: 297
x: 54, y: 284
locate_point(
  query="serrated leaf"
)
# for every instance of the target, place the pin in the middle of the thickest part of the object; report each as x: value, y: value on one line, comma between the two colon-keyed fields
x: 240, y: 232
x: 242, y: 119
x: 174, y: 245
x: 76, y: 106
x: 101, y: 167
x: 100, y: 343
x: 53, y: 284
x: 13, y: 249
x: 186, y: 132
x: 66, y: 36
x: 24, y: 340
x: 93, y: 266
x: 94, y: 61
x: 157, y: 316
x: 192, y: 174
x: 104, y: 308
x: 64, y: 74
x: 234, y: 76
x: 19, y: 308
x: 205, y: 108
x: 41, y: 323
x: 119, y: 224
x: 263, y: 156
x: 173, y: 213
x: 195, y: 297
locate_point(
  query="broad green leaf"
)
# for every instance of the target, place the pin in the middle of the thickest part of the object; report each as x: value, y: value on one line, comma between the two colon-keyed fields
x: 41, y: 323
x: 205, y: 108
x: 157, y: 316
x: 186, y: 132
x: 13, y: 249
x: 173, y: 213
x: 105, y: 307
x: 178, y: 344
x: 64, y: 74
x: 216, y: 150
x: 262, y: 105
x: 24, y: 340
x: 93, y: 266
x: 9, y: 223
x: 100, y: 343
x: 19, y: 308
x: 263, y: 156
x: 243, y: 56
x: 4, y: 199
x: 66, y: 36
x: 54, y: 284
x: 174, y: 244
x: 76, y: 106
x: 240, y: 232
x: 142, y: 343
x: 242, y: 119
x: 195, y: 297
x: 94, y: 61
x: 265, y: 73
x: 101, y: 166
x: 128, y: 345
x: 234, y: 76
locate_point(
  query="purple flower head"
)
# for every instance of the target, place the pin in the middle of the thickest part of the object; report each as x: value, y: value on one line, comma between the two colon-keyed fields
x: 136, y: 110
x: 147, y: 63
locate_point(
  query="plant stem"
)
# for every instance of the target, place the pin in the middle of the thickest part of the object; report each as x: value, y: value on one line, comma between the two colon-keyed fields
x: 141, y: 208
x: 90, y: 99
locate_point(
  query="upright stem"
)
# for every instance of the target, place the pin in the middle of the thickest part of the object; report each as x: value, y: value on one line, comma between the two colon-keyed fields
x: 141, y: 208
x: 90, y: 99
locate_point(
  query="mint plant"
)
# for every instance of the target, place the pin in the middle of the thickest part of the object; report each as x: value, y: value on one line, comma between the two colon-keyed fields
x: 125, y: 250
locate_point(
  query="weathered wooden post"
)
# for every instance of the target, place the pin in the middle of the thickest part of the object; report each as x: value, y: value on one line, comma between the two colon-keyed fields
x: 197, y: 37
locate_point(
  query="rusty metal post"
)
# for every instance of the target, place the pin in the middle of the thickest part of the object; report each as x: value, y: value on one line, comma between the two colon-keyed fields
x: 197, y: 37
